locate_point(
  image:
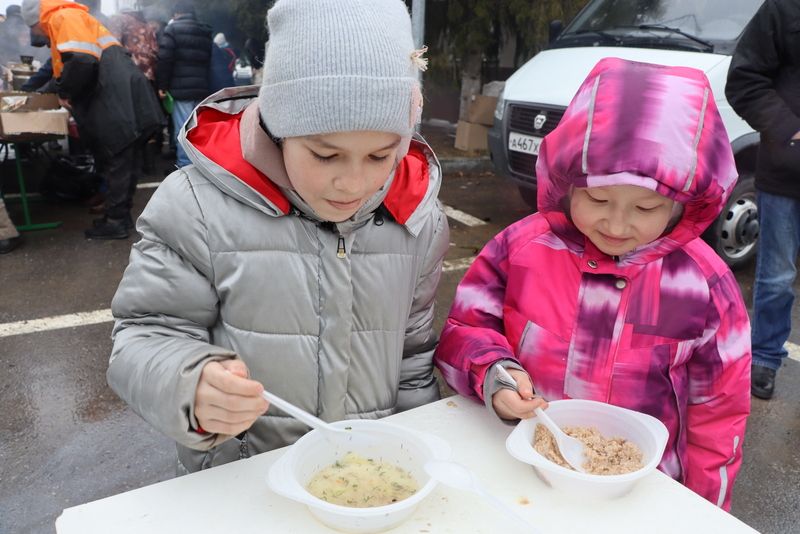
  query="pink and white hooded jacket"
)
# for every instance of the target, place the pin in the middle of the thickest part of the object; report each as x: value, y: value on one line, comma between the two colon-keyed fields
x: 663, y: 329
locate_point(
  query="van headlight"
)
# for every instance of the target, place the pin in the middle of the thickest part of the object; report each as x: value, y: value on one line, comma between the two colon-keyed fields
x: 500, y: 108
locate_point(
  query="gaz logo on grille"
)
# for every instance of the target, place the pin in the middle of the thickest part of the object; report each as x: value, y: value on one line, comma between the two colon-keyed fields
x: 539, y: 121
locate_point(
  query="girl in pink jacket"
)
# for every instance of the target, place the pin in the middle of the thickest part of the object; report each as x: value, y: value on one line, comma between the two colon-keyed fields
x: 608, y: 293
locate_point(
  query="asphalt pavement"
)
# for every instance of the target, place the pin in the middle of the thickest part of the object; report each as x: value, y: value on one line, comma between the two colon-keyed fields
x: 66, y: 439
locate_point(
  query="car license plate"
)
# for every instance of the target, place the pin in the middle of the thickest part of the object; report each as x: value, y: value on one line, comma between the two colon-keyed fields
x: 524, y: 143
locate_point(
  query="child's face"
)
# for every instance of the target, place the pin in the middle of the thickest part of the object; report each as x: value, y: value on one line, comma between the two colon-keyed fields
x: 619, y: 218
x: 337, y: 173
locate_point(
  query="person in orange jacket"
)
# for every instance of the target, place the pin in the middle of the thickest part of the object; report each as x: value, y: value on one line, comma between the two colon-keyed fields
x: 109, y: 97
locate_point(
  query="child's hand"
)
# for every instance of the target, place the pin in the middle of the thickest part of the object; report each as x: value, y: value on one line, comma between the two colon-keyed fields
x: 518, y: 404
x: 226, y: 401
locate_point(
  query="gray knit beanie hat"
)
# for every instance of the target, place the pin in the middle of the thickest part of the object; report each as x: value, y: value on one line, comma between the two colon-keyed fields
x: 340, y: 65
x: 30, y: 12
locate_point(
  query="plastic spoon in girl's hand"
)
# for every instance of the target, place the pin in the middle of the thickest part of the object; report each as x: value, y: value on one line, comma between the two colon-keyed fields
x: 571, y: 449
x: 312, y: 420
x: 298, y: 413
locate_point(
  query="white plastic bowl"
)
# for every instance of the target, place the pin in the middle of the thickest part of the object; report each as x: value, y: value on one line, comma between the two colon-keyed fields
x: 647, y: 432
x: 396, y: 444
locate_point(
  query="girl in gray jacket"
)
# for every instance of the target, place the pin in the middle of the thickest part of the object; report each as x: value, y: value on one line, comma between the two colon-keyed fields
x: 299, y: 253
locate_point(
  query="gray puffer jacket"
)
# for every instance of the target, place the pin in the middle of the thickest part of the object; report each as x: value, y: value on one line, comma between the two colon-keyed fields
x: 233, y: 265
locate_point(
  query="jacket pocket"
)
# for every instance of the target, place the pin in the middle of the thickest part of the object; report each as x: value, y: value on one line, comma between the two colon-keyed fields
x: 784, y: 156
x: 643, y: 369
x: 544, y: 355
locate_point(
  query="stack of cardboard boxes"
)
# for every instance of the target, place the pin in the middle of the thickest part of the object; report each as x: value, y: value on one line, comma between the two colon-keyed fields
x: 472, y: 133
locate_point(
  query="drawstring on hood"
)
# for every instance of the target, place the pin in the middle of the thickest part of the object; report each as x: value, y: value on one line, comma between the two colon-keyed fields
x: 640, y: 124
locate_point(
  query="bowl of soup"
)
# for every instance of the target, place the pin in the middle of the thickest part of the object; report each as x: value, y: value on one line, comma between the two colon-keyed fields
x: 629, y: 446
x: 369, y: 481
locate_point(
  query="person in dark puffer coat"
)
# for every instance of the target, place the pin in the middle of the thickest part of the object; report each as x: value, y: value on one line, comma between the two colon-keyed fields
x: 184, y: 59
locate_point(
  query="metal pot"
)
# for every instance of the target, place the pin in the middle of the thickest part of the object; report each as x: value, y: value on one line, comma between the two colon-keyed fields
x: 20, y: 73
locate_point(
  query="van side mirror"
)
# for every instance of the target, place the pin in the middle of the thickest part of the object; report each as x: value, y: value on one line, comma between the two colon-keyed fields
x: 556, y: 27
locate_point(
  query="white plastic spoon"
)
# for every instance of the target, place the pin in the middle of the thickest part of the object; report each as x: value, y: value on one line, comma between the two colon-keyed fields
x: 298, y: 413
x: 571, y: 449
x: 458, y: 476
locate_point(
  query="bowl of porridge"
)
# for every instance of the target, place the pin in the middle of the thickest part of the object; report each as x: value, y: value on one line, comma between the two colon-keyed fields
x: 370, y: 482
x: 622, y: 446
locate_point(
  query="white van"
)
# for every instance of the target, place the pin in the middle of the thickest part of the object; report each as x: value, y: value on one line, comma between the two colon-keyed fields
x: 692, y: 33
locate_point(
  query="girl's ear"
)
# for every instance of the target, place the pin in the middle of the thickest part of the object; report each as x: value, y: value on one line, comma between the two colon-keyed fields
x: 402, y: 148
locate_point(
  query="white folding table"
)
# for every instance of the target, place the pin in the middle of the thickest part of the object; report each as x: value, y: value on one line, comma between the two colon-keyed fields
x: 235, y: 497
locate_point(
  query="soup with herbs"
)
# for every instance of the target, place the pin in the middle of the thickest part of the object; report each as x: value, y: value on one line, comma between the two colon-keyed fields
x: 361, y: 482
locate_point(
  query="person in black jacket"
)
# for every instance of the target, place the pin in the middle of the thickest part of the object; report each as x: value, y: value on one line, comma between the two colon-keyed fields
x: 184, y: 60
x: 764, y: 89
x: 109, y: 97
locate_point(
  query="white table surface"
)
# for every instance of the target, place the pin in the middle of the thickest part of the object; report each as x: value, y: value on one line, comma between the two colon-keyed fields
x: 235, y: 497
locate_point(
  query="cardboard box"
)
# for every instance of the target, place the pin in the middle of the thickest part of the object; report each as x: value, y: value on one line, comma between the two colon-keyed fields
x: 481, y: 110
x: 34, y: 101
x: 493, y: 88
x: 471, y: 136
x: 32, y: 113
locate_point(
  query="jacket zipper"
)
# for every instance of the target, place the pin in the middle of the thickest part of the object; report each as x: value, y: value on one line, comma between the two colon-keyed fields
x: 341, y: 250
x: 616, y: 339
x: 341, y: 246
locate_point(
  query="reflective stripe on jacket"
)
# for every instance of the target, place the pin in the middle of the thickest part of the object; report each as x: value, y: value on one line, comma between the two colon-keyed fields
x: 71, y: 28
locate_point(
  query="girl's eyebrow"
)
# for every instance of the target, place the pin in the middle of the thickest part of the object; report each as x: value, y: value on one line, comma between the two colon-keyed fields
x: 331, y: 146
x: 393, y: 144
x: 651, y: 198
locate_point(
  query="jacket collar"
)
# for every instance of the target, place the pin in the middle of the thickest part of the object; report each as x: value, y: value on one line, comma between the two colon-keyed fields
x: 184, y: 16
x: 224, y: 139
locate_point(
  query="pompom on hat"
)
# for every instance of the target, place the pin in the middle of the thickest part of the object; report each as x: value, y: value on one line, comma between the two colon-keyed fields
x: 338, y: 66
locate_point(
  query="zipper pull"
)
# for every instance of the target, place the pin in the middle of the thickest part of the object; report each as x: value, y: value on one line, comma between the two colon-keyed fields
x: 341, y: 251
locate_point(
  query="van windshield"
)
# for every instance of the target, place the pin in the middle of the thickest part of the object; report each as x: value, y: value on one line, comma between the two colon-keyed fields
x: 702, y: 25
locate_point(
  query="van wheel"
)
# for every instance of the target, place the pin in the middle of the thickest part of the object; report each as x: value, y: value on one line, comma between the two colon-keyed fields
x: 734, y: 234
x: 528, y: 194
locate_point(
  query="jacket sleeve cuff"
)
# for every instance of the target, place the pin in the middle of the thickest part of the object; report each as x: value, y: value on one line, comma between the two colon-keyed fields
x: 194, y: 425
x: 492, y: 385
